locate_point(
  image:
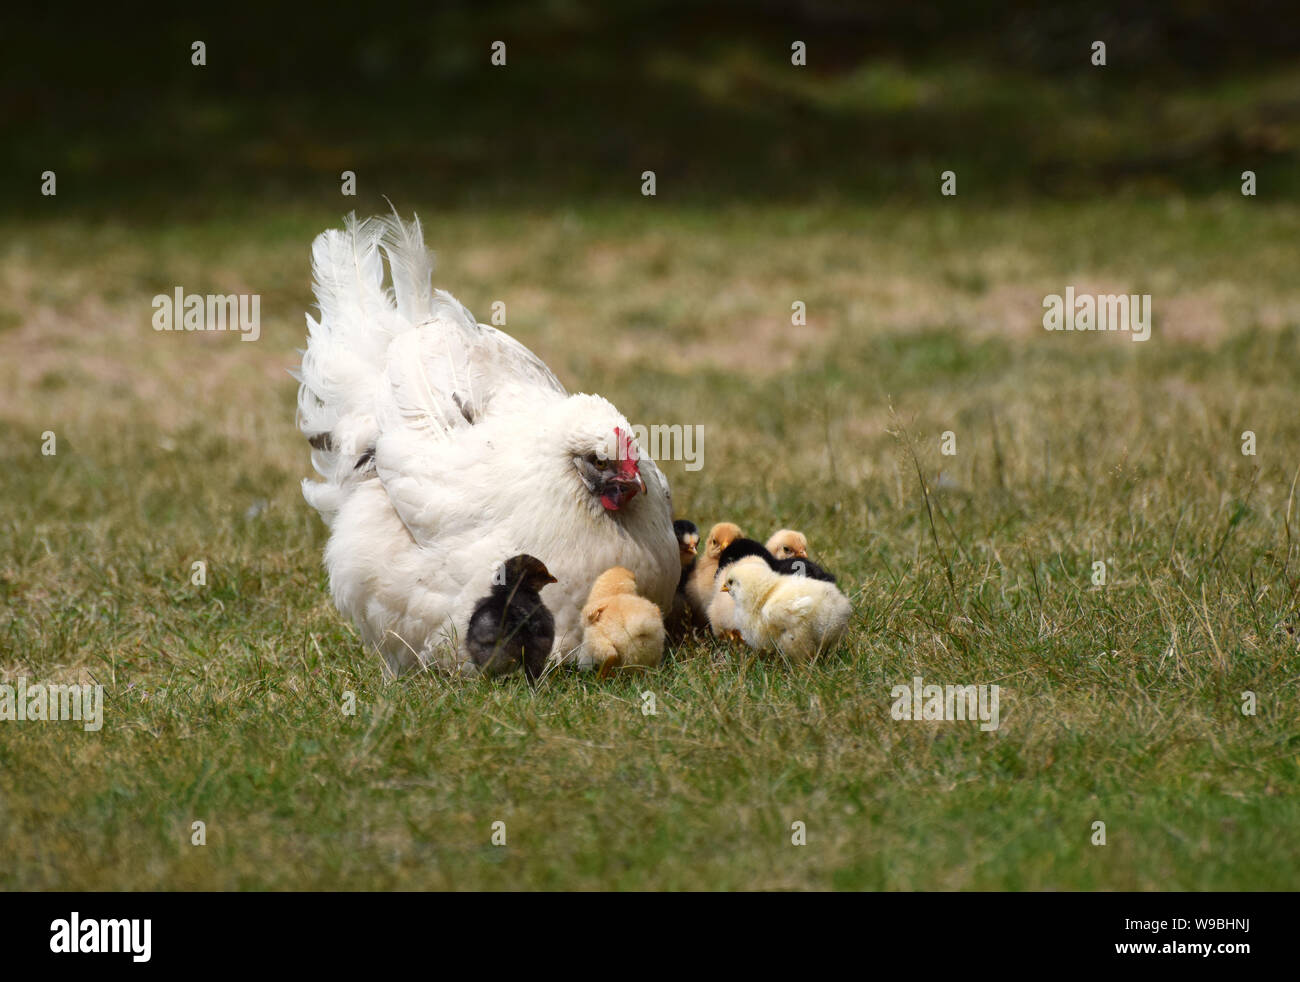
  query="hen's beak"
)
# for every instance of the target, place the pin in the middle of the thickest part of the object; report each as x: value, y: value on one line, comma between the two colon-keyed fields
x: 621, y: 488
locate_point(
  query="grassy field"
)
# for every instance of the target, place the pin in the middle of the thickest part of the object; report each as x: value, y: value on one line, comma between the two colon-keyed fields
x: 1120, y: 703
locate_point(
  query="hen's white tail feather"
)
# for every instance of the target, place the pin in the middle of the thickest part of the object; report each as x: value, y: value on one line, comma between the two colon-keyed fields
x: 400, y: 356
x: 347, y: 348
x: 411, y: 265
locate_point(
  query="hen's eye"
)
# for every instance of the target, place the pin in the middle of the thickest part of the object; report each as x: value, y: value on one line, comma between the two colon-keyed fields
x: 602, y: 462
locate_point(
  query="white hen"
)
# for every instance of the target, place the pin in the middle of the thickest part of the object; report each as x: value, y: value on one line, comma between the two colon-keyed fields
x: 446, y: 447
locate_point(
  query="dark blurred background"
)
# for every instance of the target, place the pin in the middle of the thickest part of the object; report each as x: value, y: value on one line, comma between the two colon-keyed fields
x: 595, y: 93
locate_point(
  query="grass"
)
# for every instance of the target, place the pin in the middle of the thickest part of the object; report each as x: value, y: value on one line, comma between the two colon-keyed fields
x: 1120, y: 703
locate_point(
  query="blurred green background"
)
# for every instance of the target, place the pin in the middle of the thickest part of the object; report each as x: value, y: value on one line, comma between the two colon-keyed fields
x: 594, y: 93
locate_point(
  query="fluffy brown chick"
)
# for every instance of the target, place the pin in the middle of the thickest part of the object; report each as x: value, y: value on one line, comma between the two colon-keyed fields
x: 788, y: 544
x: 700, y: 587
x: 619, y: 627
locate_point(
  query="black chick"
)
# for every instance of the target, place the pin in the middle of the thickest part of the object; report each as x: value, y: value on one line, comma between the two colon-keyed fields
x: 688, y: 544
x: 681, y: 617
x: 794, y: 566
x: 511, y: 625
x: 740, y: 548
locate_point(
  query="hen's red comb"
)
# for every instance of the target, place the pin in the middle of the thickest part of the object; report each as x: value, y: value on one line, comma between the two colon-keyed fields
x: 627, y: 456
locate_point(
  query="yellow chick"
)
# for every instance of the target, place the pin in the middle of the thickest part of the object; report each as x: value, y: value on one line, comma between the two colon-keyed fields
x: 797, y: 616
x: 700, y: 587
x: 619, y: 627
x: 788, y: 544
x: 722, y: 614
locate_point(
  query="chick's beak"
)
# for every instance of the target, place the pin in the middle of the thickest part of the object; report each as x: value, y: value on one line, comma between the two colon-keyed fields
x: 726, y: 588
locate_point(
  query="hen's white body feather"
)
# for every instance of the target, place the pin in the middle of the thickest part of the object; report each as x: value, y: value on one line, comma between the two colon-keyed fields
x: 446, y: 447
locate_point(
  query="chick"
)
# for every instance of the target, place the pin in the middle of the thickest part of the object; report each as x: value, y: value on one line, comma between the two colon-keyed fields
x: 795, y: 566
x: 511, y: 626
x: 721, y: 610
x: 700, y: 586
x: 619, y: 627
x: 680, y: 619
x: 740, y: 548
x: 688, y: 544
x: 797, y: 616
x: 790, y: 549
x: 790, y: 566
x: 787, y: 544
